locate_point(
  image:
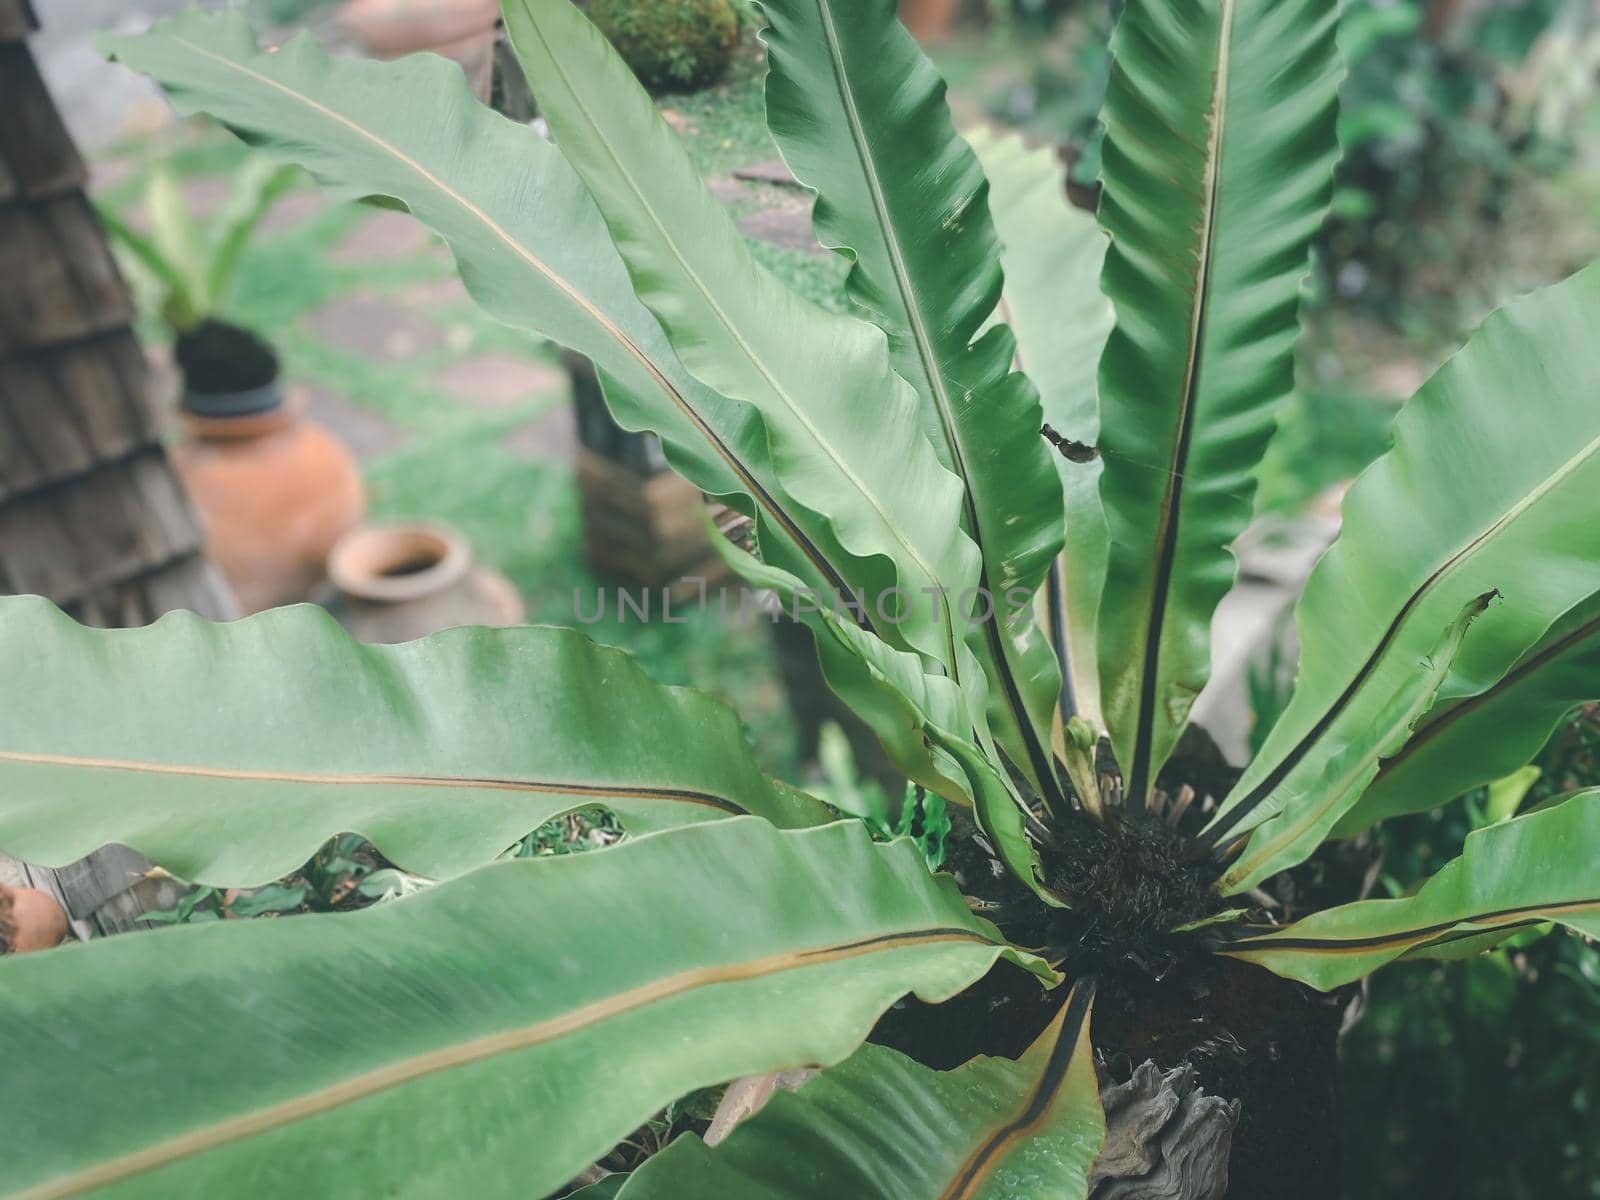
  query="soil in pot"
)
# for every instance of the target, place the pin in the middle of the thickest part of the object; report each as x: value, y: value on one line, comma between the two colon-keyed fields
x: 216, y: 357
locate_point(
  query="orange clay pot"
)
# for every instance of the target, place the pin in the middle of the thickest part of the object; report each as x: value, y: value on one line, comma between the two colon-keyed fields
x: 275, y: 493
x: 30, y: 920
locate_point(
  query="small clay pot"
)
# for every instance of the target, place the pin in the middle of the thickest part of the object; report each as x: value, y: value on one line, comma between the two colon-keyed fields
x: 275, y: 492
x: 30, y: 920
x: 403, y: 580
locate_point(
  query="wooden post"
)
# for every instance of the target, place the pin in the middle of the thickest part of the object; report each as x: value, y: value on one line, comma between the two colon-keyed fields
x: 643, y: 524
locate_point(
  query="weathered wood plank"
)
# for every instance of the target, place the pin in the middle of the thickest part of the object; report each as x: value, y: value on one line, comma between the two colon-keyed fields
x: 16, y: 20
x: 33, y: 140
x: 194, y: 583
x: 61, y: 282
x: 47, y: 440
x: 91, y: 515
x: 121, y: 523
x: 113, y: 887
x: 645, y: 528
x: 67, y: 409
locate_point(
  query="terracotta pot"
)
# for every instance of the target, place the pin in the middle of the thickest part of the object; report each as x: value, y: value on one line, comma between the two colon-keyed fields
x: 30, y: 920
x: 399, y: 581
x: 458, y: 29
x: 275, y: 492
x: 928, y: 20
x: 393, y: 27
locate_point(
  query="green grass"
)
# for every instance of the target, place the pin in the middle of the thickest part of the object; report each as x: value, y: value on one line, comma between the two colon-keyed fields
x: 725, y: 126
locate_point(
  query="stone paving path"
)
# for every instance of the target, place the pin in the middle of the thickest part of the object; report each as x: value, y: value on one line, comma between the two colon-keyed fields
x: 367, y: 434
x: 369, y: 324
x: 400, y: 326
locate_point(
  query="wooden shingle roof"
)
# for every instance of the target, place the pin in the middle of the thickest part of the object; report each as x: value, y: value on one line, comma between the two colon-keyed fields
x: 16, y: 20
x: 90, y: 512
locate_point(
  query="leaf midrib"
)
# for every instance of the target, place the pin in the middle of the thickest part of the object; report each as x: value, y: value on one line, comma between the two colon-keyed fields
x: 1536, y: 661
x: 981, y: 1165
x: 755, y: 360
x: 1365, y: 943
x: 897, y: 263
x: 938, y: 389
x: 396, y: 1074
x: 1334, y: 791
x: 359, y: 779
x: 1139, y: 782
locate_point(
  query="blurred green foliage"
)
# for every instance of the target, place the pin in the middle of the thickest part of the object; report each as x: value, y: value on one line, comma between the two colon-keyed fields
x: 1324, y: 435
x: 1480, y: 1079
x: 345, y: 874
x: 1447, y: 109
x: 183, y: 267
x: 1041, y: 67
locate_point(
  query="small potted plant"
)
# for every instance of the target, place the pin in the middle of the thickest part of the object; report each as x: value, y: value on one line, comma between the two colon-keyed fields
x: 189, y: 270
x: 275, y: 491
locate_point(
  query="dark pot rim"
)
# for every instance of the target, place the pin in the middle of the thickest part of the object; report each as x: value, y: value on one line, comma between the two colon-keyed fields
x: 248, y: 402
